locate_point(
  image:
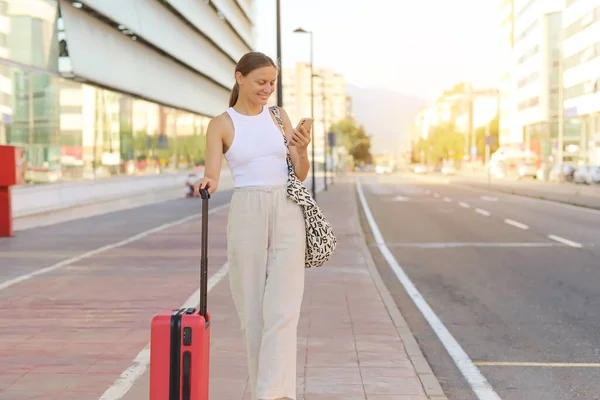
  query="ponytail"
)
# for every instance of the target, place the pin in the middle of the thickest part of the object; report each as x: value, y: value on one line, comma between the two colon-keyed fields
x: 235, y: 93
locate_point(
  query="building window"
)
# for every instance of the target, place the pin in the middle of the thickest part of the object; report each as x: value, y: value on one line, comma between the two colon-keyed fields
x: 583, y: 22
x: 528, y: 30
x: 72, y: 131
x: 528, y: 79
x: 529, y: 54
x: 529, y: 103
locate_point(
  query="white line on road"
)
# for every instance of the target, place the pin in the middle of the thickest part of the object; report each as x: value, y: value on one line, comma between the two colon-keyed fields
x: 400, y: 198
x: 565, y: 241
x: 445, y: 245
x: 483, y: 212
x: 436, y: 195
x: 64, y: 263
x: 447, y: 199
x: 489, y: 198
x: 481, y: 387
x: 140, y: 363
x: 464, y: 205
x: 537, y: 364
x: 516, y: 224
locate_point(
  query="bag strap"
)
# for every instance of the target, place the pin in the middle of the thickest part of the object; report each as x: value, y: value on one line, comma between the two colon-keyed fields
x: 275, y: 111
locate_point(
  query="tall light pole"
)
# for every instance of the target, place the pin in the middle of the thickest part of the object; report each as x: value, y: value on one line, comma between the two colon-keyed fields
x: 323, y: 115
x: 561, y: 106
x: 279, y: 80
x: 312, y: 109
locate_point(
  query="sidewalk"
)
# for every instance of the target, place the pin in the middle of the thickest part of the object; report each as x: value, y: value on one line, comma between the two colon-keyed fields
x: 349, y: 345
x: 84, y: 324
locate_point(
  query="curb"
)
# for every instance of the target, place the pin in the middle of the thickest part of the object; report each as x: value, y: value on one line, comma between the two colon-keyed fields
x: 573, y: 201
x: 429, y: 381
x: 93, y: 202
x: 512, y: 191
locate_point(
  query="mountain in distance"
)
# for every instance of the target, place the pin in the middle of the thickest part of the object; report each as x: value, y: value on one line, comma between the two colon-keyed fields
x: 385, y: 114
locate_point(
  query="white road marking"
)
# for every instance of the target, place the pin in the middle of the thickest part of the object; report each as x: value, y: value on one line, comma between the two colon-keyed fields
x: 537, y: 364
x: 565, y: 241
x: 464, y: 205
x: 446, y: 245
x: 447, y: 199
x: 400, y: 198
x: 489, y: 198
x: 436, y: 195
x: 140, y: 363
x: 516, y: 224
x: 135, y: 238
x: 483, y: 212
x: 476, y: 380
x: 427, y: 191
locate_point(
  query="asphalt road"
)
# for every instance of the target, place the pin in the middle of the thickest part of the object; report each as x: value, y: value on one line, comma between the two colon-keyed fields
x: 65, y: 240
x: 515, y: 280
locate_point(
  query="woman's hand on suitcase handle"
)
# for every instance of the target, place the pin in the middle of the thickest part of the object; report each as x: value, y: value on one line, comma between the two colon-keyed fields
x: 205, y: 183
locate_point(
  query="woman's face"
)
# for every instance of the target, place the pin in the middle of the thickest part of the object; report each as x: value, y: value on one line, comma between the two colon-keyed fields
x: 259, y: 84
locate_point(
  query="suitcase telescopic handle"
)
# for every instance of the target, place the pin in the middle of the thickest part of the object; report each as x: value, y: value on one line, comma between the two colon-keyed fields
x: 204, y: 254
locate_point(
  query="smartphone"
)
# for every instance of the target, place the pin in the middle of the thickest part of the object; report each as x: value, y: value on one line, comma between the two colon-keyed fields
x: 306, y: 121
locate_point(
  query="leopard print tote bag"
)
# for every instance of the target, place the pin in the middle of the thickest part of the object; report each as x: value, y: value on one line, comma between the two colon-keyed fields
x: 320, y: 238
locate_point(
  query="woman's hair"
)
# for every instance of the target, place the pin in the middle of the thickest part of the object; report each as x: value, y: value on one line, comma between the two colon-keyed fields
x: 248, y: 63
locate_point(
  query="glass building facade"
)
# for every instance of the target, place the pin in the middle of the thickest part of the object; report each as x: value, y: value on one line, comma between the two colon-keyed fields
x: 72, y: 130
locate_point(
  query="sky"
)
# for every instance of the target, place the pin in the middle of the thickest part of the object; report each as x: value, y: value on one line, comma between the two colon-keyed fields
x: 418, y: 47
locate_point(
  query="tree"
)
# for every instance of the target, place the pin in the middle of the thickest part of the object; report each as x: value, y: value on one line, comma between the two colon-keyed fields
x: 354, y: 139
x: 443, y: 143
x: 480, y: 137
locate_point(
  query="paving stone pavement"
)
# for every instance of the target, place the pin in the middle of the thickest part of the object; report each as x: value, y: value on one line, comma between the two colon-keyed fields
x: 69, y: 334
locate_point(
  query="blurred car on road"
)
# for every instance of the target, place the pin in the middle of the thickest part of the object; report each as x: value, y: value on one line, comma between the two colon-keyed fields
x: 383, y: 169
x: 527, y: 170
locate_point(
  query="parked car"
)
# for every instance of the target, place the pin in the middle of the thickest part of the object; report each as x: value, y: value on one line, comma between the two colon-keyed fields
x: 448, y: 170
x: 420, y: 169
x: 588, y: 174
x: 562, y: 173
x: 580, y: 174
x: 593, y: 176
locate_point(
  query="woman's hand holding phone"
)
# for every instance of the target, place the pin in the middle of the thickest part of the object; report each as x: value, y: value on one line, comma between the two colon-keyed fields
x: 301, y: 136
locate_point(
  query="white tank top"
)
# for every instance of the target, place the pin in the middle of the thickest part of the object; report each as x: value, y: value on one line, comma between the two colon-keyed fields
x: 257, y: 155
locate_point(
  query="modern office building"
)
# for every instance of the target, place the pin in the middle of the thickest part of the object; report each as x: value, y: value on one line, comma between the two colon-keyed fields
x: 581, y: 23
x: 529, y: 84
x: 97, y: 88
x: 537, y: 80
x: 509, y: 129
x: 542, y: 39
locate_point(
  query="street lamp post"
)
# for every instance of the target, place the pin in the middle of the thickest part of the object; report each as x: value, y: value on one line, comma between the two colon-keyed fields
x: 312, y: 109
x: 561, y: 106
x: 324, y: 121
x: 279, y: 80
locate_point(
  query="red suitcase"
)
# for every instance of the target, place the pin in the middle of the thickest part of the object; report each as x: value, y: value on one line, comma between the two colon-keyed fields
x: 180, y: 341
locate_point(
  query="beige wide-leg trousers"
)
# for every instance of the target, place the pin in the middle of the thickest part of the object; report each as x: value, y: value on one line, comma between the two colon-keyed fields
x: 266, y: 243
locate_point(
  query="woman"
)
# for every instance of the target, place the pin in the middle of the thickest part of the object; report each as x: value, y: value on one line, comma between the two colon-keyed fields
x: 265, y: 234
